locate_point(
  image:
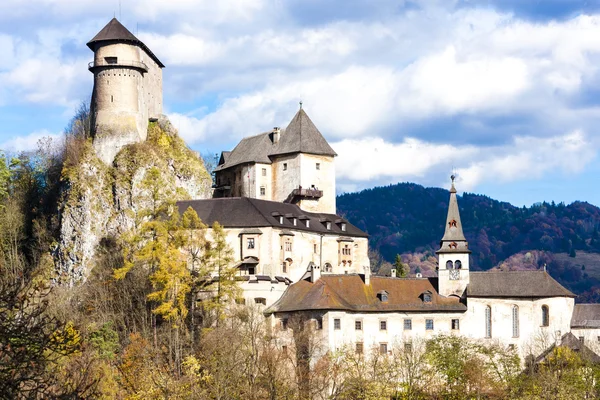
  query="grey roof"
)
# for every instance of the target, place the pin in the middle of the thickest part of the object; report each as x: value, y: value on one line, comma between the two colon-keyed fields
x: 454, y: 233
x: 570, y: 341
x: 528, y: 284
x: 245, y: 212
x: 586, y: 316
x: 251, y: 231
x: 348, y: 292
x: 301, y: 136
x: 114, y: 31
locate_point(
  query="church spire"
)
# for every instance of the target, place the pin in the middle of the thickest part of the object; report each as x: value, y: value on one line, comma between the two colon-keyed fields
x: 454, y: 238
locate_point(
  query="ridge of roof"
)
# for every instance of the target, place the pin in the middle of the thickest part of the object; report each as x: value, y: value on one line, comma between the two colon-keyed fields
x: 117, y: 32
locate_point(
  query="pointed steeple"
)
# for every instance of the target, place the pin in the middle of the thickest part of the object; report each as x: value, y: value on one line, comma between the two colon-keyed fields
x: 454, y: 238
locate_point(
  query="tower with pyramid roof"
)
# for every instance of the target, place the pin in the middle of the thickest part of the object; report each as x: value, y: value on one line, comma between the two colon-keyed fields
x: 453, y: 255
x: 292, y: 165
x: 127, y: 89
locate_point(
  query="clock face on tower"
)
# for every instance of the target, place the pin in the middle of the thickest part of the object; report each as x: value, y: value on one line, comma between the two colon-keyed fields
x: 454, y: 274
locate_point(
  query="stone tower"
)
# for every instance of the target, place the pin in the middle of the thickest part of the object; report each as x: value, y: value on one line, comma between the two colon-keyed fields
x: 292, y: 165
x: 453, y: 255
x: 127, y: 89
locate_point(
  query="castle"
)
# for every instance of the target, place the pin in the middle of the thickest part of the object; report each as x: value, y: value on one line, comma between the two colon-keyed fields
x: 275, y: 197
x: 127, y: 89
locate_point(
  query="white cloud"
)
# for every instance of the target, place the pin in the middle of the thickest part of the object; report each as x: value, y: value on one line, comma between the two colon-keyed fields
x: 363, y: 160
x: 30, y: 142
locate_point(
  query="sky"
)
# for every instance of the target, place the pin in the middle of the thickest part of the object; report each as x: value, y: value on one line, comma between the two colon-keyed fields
x: 506, y: 93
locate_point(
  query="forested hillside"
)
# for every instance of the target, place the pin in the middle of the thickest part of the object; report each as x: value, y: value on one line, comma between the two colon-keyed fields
x: 407, y: 218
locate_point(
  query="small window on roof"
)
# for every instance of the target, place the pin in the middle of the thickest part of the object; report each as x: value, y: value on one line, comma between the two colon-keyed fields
x: 328, y: 225
x: 281, y: 219
x: 343, y: 227
x: 308, y: 223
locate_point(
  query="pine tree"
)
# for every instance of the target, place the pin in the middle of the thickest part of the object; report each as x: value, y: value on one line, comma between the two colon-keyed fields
x: 400, y: 267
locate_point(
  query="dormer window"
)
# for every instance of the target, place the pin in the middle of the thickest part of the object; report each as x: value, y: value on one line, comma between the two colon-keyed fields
x: 383, y: 296
x: 295, y: 221
x: 328, y: 225
x: 427, y: 297
x: 343, y: 227
x: 281, y: 220
x: 308, y: 223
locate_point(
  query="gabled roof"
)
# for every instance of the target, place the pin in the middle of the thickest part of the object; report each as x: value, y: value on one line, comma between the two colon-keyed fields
x: 348, y: 292
x: 245, y: 212
x: 586, y: 316
x: 114, y: 31
x: 301, y: 136
x: 528, y: 284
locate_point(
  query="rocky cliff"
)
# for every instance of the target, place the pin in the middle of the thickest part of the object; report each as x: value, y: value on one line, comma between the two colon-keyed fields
x: 101, y: 201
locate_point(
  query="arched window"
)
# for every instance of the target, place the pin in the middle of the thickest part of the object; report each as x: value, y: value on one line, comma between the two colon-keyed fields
x: 515, y: 321
x: 488, y: 322
x: 328, y: 267
x: 449, y: 265
x: 545, y: 315
x: 458, y: 264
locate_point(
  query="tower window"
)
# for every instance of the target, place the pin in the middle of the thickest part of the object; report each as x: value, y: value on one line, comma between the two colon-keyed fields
x: 110, y: 60
x: 488, y: 322
x: 288, y: 246
x: 337, y: 324
x: 264, y: 172
x: 250, y: 243
x: 458, y: 264
x: 449, y: 265
x: 285, y: 166
x: 318, y: 166
x: 545, y: 315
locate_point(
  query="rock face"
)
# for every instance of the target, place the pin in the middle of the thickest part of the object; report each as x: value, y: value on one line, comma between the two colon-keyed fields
x: 101, y: 201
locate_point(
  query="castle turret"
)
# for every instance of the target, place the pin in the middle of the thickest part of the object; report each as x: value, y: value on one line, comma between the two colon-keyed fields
x: 453, y: 255
x: 127, y: 89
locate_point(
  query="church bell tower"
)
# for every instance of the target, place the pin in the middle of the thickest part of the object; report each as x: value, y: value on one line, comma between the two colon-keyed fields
x: 453, y: 255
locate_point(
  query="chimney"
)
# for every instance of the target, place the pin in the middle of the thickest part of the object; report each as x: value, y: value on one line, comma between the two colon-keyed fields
x: 276, y: 133
x: 393, y: 272
x: 367, y: 275
x: 315, y: 273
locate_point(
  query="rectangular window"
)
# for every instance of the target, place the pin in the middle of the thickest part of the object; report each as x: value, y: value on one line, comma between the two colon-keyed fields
x: 284, y: 267
x: 264, y: 172
x: 383, y: 348
x: 295, y: 220
x: 285, y: 166
x: 288, y: 246
x: 359, y: 348
x: 581, y: 339
x: 284, y: 349
x: 408, y: 347
x: 315, y: 248
x: 343, y: 227
x: 455, y: 324
x: 250, y: 243
x: 263, y: 191
x: 337, y: 324
x: 511, y: 347
x: 328, y: 225
x: 260, y: 300
x: 383, y: 325
x: 111, y: 60
x: 429, y: 324
x: 307, y: 223
x: 318, y: 166
x: 408, y: 324
x: 358, y: 325
x: 284, y: 324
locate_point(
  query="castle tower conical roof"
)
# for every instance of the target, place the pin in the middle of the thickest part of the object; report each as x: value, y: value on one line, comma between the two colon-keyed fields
x: 114, y: 31
x: 454, y: 239
x: 302, y: 136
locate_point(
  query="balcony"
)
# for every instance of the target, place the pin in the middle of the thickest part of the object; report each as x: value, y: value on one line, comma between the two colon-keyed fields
x: 118, y: 64
x: 307, y: 193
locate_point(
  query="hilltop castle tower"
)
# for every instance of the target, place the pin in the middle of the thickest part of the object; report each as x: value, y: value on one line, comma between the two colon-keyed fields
x: 453, y: 272
x: 127, y: 89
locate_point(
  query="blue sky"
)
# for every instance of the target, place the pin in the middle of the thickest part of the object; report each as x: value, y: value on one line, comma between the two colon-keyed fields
x: 505, y: 92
